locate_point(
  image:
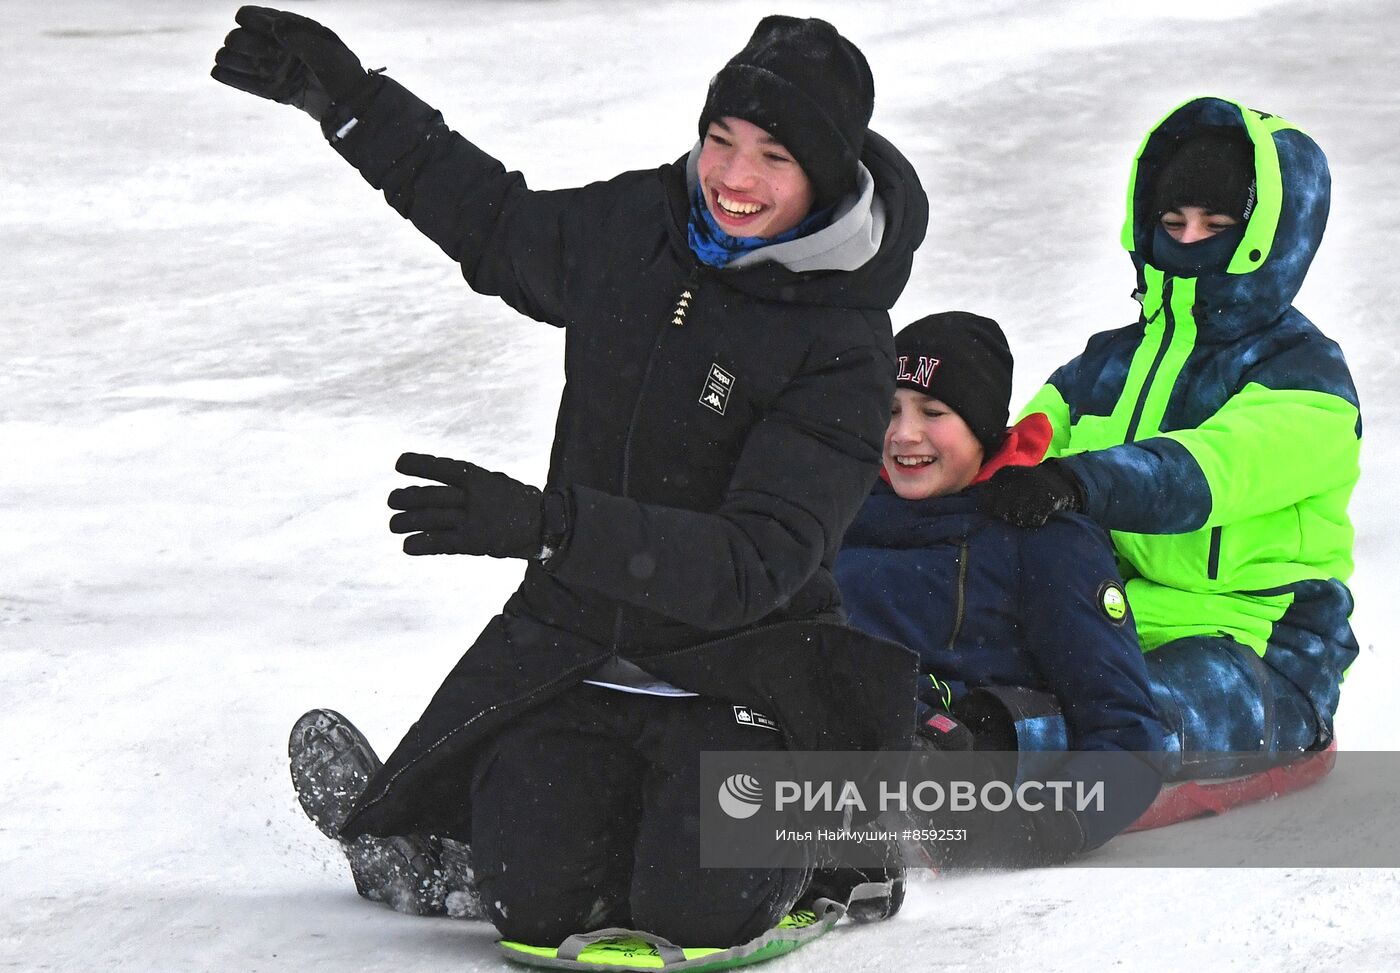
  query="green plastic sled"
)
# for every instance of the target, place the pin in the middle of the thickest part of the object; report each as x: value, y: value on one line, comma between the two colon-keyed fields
x: 629, y: 949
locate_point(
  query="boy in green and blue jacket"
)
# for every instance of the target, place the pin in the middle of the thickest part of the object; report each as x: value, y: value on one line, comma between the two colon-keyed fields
x: 1218, y: 441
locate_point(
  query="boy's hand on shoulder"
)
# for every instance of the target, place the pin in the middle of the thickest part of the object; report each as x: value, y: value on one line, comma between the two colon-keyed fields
x: 1026, y: 496
x: 290, y: 59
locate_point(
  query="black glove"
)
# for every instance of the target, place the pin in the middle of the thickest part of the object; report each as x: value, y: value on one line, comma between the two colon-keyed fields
x: 476, y: 511
x: 289, y: 59
x: 1027, y: 495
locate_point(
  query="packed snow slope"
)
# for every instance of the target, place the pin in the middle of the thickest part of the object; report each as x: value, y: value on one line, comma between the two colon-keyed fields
x: 218, y: 340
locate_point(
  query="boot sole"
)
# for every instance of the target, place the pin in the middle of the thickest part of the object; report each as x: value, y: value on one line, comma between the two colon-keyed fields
x: 331, y: 764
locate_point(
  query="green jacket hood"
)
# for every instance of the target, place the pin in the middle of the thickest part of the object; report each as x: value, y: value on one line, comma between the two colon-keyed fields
x: 1282, y: 234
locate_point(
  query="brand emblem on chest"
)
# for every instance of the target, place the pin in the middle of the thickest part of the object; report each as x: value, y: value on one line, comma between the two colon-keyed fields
x: 718, y: 385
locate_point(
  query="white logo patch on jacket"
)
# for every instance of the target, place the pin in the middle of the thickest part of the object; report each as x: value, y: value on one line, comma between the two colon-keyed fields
x: 718, y: 385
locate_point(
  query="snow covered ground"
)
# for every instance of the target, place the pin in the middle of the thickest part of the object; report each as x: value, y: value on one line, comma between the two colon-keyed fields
x: 219, y: 340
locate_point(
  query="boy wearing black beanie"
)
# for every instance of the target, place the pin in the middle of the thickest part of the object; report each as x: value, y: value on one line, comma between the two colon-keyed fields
x: 964, y: 360
x: 1218, y: 439
x: 810, y: 89
x: 726, y: 324
x: 1024, y: 636
x: 1202, y: 200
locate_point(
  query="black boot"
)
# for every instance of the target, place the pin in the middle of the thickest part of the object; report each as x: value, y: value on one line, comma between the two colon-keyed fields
x: 332, y: 763
x: 869, y: 894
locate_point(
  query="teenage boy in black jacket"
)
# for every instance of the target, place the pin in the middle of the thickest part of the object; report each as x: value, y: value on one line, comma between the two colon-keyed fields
x: 728, y: 365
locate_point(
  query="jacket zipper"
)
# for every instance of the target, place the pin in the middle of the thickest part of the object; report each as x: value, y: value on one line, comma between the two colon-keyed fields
x: 688, y: 291
x: 1168, y: 332
x: 367, y: 801
x: 961, y: 607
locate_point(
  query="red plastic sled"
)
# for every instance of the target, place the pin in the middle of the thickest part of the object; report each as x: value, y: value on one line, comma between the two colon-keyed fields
x: 1198, y: 798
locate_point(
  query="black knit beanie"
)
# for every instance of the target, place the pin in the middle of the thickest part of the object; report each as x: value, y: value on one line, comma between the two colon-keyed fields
x: 808, y: 87
x: 964, y: 361
x: 1213, y: 169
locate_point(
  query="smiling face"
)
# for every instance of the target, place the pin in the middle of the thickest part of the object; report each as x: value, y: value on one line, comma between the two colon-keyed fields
x: 929, y: 449
x: 1188, y: 224
x: 753, y: 186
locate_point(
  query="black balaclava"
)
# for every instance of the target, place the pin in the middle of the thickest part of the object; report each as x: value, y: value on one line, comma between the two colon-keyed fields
x: 808, y: 87
x: 1212, y: 168
x: 964, y: 361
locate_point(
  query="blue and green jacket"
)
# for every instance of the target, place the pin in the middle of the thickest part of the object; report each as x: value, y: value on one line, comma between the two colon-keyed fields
x: 1218, y: 437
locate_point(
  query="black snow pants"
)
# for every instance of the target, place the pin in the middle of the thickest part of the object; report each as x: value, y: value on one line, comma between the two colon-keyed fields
x: 586, y: 814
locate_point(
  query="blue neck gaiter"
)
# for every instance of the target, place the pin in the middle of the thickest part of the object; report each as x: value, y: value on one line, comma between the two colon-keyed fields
x: 715, y: 248
x: 1209, y: 256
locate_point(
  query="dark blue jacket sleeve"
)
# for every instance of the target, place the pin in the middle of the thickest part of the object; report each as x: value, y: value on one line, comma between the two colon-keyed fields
x: 1093, y: 664
x: 1089, y: 659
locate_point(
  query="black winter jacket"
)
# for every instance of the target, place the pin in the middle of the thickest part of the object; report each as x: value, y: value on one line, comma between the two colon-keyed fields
x: 717, y: 432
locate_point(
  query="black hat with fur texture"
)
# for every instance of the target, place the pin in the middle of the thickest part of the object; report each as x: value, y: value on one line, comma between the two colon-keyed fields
x: 808, y: 87
x: 962, y: 360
